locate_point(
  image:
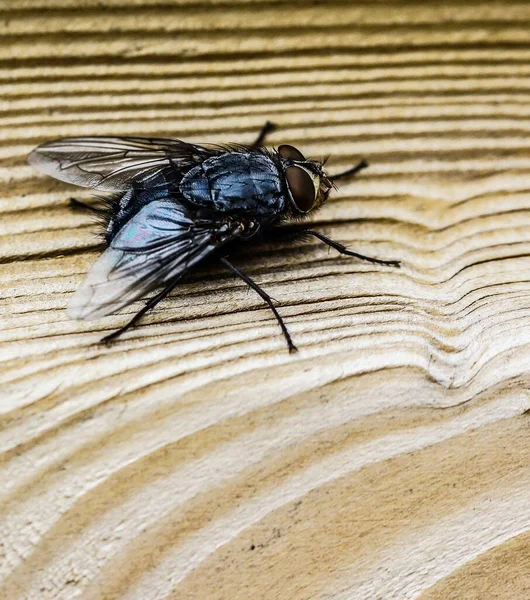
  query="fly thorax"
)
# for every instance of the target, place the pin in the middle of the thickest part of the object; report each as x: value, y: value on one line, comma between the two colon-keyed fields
x: 236, y: 182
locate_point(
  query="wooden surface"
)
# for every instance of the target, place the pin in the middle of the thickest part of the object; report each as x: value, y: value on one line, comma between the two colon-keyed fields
x: 197, y: 459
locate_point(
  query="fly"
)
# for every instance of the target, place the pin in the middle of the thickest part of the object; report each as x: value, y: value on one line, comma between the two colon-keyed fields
x: 172, y: 204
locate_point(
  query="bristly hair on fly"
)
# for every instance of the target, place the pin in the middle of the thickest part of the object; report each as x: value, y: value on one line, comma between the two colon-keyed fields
x: 170, y: 204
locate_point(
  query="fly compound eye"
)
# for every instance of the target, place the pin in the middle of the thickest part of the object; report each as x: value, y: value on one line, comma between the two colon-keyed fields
x: 302, y: 188
x: 290, y: 153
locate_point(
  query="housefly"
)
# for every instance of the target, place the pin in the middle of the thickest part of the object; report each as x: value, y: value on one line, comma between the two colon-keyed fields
x: 172, y: 204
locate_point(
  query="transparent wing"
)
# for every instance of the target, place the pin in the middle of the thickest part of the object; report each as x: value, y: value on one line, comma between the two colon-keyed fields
x: 156, y: 246
x: 113, y: 163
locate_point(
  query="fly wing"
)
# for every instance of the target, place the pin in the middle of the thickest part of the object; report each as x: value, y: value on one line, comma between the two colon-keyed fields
x: 158, y: 245
x: 113, y: 163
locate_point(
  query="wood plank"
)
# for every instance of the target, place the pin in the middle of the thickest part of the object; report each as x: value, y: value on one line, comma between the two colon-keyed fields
x: 196, y: 458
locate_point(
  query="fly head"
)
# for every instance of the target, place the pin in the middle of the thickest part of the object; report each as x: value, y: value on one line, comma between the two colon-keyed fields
x: 308, y: 186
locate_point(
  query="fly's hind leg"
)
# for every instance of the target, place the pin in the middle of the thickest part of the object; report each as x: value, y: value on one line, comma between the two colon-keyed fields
x: 148, y: 306
x: 265, y: 130
x: 75, y: 203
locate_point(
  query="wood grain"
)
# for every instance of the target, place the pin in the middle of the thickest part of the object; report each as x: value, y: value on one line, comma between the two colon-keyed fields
x: 196, y: 458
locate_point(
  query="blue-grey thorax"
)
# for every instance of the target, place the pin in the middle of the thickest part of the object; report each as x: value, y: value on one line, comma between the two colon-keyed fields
x: 236, y: 182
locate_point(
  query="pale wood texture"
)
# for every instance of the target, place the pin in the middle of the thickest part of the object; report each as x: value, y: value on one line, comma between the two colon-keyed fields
x: 197, y: 459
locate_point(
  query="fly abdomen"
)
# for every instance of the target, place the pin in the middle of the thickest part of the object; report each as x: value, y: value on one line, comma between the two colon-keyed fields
x: 126, y: 206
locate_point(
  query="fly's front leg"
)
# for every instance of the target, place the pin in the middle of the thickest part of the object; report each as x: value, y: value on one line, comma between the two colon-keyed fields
x: 338, y: 246
x: 350, y: 172
x: 265, y: 130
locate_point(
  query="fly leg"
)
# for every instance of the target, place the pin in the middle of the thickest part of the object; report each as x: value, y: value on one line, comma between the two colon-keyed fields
x: 266, y: 297
x: 83, y: 206
x: 336, y: 245
x: 349, y: 172
x: 343, y: 250
x: 265, y: 130
x: 149, y: 305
